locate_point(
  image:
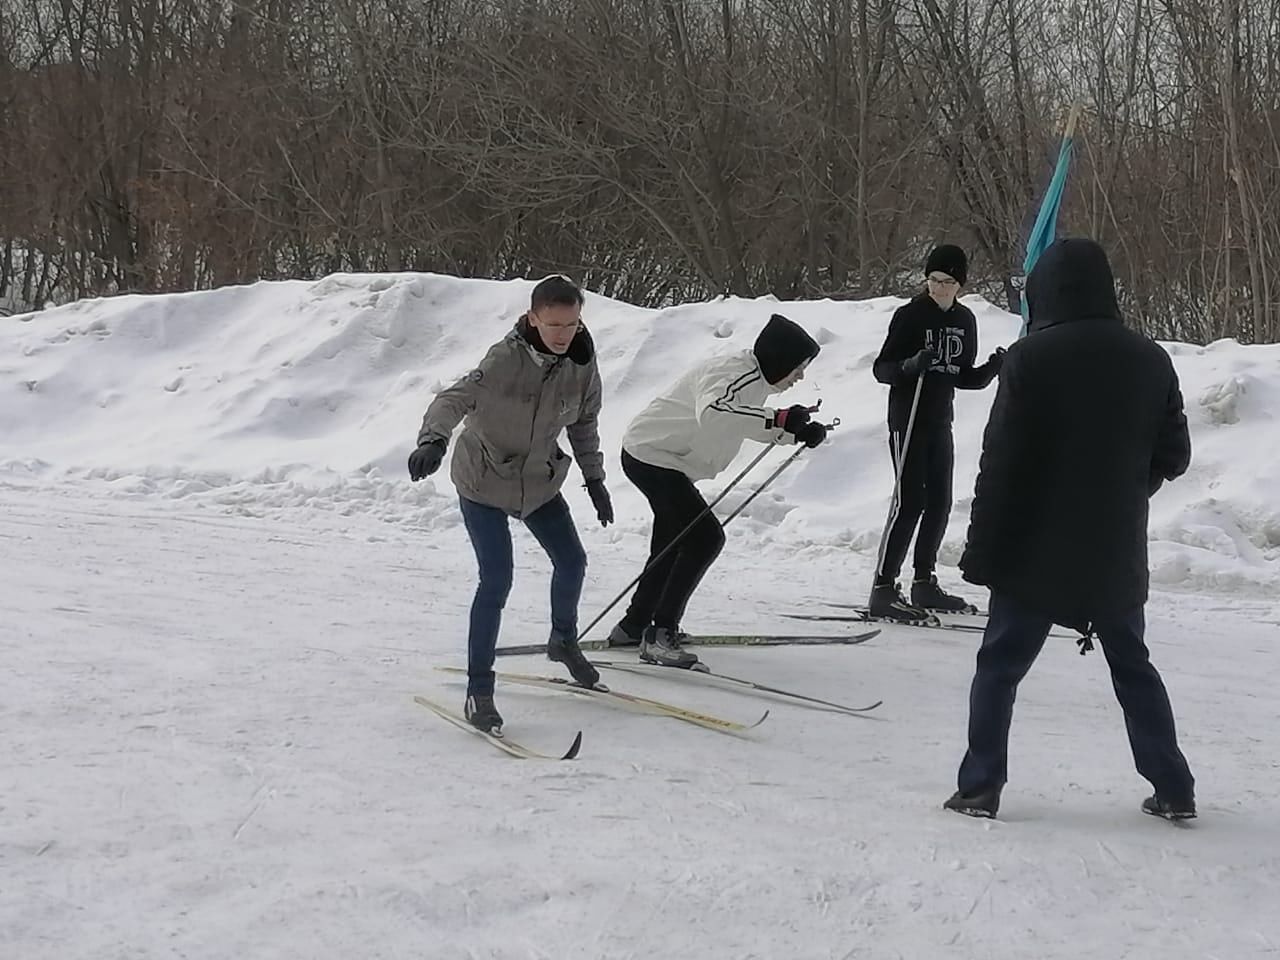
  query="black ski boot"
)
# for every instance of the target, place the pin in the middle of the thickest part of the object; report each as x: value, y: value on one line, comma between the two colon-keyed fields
x: 563, y: 649
x: 482, y: 714
x: 887, y: 603
x: 1157, y: 806
x: 927, y: 595
x: 625, y: 635
x: 984, y: 804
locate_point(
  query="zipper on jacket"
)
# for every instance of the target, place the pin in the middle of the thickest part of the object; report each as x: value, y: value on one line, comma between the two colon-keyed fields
x: 533, y: 424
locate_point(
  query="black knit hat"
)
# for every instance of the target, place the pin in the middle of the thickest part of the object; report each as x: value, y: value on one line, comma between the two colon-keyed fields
x: 948, y: 259
x: 781, y: 347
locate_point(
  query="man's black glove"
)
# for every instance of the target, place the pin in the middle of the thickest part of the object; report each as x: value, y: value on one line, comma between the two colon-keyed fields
x: 811, y: 434
x: 426, y: 459
x: 996, y: 360
x: 914, y: 366
x: 600, y: 500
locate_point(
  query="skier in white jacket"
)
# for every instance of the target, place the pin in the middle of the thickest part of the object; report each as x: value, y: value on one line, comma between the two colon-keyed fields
x: 691, y: 432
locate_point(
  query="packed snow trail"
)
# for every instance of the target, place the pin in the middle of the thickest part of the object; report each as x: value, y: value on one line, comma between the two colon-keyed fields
x: 214, y: 753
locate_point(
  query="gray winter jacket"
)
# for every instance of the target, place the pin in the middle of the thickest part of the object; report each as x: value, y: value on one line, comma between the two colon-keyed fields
x: 515, y: 404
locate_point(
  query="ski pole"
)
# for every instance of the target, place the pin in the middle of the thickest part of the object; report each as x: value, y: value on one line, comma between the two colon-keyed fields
x: 899, y: 461
x: 680, y: 536
x: 768, y: 480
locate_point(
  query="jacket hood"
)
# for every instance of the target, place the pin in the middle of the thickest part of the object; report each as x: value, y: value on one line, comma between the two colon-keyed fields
x: 582, y: 349
x: 1071, y: 281
x: 781, y: 347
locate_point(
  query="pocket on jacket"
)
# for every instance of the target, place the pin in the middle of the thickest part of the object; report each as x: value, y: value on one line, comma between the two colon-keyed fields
x: 558, y: 466
x: 474, y: 464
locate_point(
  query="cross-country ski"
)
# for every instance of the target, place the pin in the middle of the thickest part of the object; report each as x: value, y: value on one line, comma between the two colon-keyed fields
x: 628, y: 700
x: 503, y: 742
x: 644, y: 669
x: 718, y: 640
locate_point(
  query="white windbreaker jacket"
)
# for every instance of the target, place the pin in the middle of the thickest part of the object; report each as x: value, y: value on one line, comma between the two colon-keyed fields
x: 699, y: 424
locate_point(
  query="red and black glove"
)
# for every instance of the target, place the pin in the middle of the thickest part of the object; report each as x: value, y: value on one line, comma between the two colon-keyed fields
x: 793, y: 419
x: 798, y: 421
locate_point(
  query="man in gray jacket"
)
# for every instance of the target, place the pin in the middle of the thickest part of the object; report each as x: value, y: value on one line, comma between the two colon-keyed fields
x: 538, y: 380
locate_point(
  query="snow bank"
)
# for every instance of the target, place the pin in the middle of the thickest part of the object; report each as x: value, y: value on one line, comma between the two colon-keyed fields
x: 298, y: 396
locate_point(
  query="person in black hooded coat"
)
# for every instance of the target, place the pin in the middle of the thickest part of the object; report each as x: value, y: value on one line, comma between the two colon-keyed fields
x: 1087, y: 424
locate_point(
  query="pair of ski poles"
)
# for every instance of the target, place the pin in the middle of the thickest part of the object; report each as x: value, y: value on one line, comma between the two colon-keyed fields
x: 698, y: 519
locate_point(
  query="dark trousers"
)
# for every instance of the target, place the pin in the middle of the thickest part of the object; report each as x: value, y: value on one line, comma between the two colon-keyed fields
x: 925, y: 498
x: 664, y: 591
x: 1011, y: 643
x: 490, y: 535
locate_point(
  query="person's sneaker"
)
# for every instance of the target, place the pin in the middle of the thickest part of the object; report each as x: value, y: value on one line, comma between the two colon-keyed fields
x: 482, y: 714
x: 563, y: 649
x: 664, y: 647
x: 1157, y: 806
x: 622, y: 636
x: 983, y: 804
x: 927, y: 595
x: 887, y: 603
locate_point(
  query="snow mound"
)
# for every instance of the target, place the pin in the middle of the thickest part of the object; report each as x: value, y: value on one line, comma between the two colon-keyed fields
x: 300, y: 396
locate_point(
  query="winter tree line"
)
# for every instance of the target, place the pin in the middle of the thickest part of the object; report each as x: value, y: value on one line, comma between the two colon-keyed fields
x: 654, y: 150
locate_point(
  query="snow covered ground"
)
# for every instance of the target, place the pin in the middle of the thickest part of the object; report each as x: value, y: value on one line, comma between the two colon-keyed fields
x: 220, y: 594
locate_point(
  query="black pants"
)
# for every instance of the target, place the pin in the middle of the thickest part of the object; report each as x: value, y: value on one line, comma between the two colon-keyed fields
x: 925, y: 498
x: 664, y: 591
x: 1011, y: 643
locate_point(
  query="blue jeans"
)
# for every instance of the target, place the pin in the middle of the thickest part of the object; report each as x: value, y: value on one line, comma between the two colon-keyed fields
x: 1012, y: 641
x: 490, y: 535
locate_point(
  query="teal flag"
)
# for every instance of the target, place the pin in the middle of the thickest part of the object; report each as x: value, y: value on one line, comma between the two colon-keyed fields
x: 1045, y: 230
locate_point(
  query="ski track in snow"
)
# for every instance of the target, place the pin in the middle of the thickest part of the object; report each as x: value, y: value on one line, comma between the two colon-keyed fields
x: 214, y: 752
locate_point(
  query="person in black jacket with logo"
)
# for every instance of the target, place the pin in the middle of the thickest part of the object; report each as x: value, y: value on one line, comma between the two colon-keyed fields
x: 931, y: 344
x: 1087, y: 424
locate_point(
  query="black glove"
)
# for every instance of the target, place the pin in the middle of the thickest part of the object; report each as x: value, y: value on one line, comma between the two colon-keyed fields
x: 600, y: 500
x: 426, y: 459
x: 811, y: 434
x: 793, y: 419
x: 921, y: 362
x: 996, y: 360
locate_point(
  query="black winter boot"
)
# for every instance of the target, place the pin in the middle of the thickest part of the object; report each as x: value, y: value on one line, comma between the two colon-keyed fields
x: 887, y: 603
x: 984, y: 804
x: 563, y: 649
x: 927, y: 595
x: 1157, y: 806
x: 482, y: 714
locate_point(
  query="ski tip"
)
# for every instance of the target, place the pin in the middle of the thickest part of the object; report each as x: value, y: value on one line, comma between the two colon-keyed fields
x: 572, y: 752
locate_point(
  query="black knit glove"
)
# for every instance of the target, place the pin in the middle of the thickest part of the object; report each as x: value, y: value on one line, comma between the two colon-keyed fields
x: 600, y: 500
x: 426, y: 459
